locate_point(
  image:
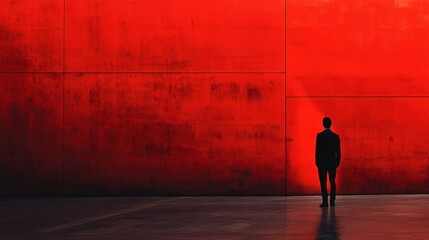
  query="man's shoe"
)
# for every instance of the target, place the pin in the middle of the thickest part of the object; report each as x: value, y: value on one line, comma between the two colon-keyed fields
x: 332, y: 204
x: 323, y: 205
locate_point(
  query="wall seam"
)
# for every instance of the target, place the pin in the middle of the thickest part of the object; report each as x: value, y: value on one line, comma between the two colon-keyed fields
x: 64, y: 72
x: 285, y: 108
x: 147, y: 72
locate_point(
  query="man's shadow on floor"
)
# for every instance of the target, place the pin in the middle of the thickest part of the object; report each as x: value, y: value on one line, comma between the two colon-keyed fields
x: 328, y: 225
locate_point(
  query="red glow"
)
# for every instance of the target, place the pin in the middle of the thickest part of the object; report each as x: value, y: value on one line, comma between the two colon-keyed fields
x: 355, y: 61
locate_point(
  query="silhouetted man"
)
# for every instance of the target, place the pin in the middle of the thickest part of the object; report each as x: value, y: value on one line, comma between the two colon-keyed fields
x: 328, y: 155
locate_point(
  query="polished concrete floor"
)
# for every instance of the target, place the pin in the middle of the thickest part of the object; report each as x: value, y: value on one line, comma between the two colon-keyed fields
x: 354, y: 217
x: 387, y: 217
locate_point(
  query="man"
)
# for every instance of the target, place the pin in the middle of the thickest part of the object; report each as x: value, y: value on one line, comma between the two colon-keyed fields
x: 328, y: 155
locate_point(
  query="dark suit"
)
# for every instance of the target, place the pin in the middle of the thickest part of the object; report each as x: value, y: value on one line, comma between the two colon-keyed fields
x: 328, y: 156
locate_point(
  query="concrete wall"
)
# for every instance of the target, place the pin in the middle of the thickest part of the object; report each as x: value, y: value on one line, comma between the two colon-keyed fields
x: 107, y: 97
x: 191, y: 97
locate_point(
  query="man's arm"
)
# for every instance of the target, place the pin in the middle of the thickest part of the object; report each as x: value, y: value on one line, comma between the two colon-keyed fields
x: 317, y: 149
x: 338, y: 152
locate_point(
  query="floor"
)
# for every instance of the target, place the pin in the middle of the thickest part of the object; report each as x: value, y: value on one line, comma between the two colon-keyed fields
x: 354, y: 217
x: 359, y: 217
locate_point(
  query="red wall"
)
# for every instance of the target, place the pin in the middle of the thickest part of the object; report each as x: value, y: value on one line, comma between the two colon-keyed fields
x: 178, y: 97
x: 107, y: 97
x: 366, y: 65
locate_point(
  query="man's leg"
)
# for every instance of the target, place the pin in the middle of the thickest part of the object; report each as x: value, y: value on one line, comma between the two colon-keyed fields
x: 322, y: 180
x: 332, y: 175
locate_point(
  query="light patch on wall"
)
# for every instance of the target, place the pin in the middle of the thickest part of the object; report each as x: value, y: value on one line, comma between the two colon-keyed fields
x: 403, y: 3
x: 305, y: 122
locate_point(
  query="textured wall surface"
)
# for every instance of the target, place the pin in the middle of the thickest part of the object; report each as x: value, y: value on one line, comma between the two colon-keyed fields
x: 107, y: 97
x: 178, y: 97
x: 366, y: 65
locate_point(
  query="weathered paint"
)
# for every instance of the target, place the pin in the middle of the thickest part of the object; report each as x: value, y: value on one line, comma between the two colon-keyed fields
x: 31, y: 35
x: 142, y: 97
x: 31, y: 134
x: 175, y: 35
x: 197, y: 134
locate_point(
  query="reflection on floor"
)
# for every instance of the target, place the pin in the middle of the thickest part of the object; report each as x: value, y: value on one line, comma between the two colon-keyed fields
x: 359, y: 217
x: 354, y: 217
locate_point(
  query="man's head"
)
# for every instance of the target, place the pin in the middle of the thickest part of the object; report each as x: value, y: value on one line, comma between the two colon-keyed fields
x: 327, y: 122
